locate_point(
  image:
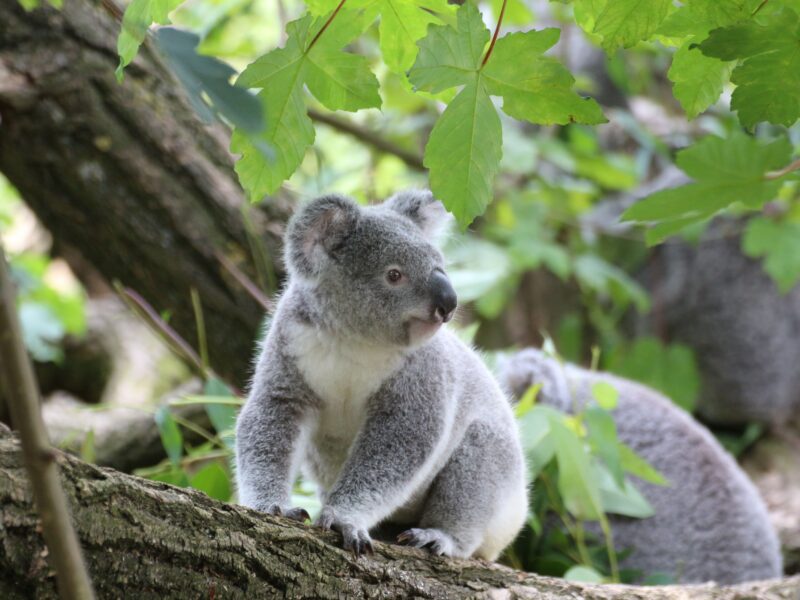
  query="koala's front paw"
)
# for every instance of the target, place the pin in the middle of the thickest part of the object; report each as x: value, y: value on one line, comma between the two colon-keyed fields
x: 297, y: 514
x: 354, y: 537
x: 435, y: 540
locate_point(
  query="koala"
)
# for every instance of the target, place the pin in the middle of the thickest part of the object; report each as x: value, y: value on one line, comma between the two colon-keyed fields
x: 744, y: 331
x: 361, y: 386
x: 709, y: 522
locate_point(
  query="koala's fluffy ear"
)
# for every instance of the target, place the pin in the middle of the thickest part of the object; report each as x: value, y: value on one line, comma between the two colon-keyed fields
x: 421, y: 207
x: 316, y: 231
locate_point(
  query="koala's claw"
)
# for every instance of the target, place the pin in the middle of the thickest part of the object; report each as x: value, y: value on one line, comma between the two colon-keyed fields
x: 297, y: 514
x: 354, y: 538
x: 435, y: 540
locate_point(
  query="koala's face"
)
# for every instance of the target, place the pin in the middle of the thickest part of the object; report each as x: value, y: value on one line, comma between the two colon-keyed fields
x: 374, y: 271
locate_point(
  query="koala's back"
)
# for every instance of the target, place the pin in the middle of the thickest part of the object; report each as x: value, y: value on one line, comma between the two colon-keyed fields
x: 744, y: 331
x: 709, y: 523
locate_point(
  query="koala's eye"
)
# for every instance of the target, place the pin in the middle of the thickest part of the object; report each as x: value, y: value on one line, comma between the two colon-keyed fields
x: 393, y: 276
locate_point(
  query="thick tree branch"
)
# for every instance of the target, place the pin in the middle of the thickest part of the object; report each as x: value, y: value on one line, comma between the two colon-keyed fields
x: 145, y: 539
x: 19, y: 385
x: 129, y: 177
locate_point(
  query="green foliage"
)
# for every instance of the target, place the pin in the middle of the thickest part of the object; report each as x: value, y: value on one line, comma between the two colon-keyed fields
x: 170, y: 433
x: 206, y: 81
x: 464, y: 149
x: 339, y: 80
x: 447, y: 54
x: 778, y: 243
x: 725, y: 171
x: 670, y: 369
x: 139, y: 16
x: 581, y: 473
x: 623, y: 23
x: 46, y: 314
x: 768, y: 78
x: 698, y: 79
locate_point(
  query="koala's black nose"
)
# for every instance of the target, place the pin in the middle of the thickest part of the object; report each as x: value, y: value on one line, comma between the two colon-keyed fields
x: 444, y: 296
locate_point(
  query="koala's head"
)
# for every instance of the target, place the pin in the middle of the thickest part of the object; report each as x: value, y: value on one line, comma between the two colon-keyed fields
x: 374, y: 271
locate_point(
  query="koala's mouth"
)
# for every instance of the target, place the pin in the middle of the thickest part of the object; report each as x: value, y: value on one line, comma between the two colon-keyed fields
x: 420, y: 329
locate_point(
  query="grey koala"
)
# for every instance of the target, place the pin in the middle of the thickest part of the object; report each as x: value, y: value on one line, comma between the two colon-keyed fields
x: 359, y: 385
x: 709, y: 523
x: 745, y: 333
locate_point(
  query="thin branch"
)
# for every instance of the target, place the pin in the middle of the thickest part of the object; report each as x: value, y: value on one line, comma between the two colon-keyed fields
x: 368, y: 137
x: 177, y: 344
x: 795, y: 166
x: 17, y: 379
x: 247, y: 284
x: 496, y: 31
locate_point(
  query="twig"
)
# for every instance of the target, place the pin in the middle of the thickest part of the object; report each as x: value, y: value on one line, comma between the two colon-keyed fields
x: 369, y: 137
x: 794, y: 166
x: 201, y: 328
x: 176, y: 343
x: 247, y: 284
x: 17, y: 379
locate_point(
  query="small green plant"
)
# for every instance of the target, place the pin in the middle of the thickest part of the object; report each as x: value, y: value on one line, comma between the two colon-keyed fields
x: 581, y: 473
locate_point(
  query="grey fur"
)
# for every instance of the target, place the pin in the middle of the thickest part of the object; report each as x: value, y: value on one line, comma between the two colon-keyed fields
x: 710, y: 523
x: 357, y: 385
x: 745, y: 333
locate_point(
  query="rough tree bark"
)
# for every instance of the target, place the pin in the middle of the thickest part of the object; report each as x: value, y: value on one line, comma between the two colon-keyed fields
x: 127, y: 175
x: 144, y: 539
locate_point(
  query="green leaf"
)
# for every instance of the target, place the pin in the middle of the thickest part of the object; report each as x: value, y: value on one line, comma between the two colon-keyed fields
x: 603, y: 440
x: 221, y: 415
x: 583, y: 574
x: 171, y: 436
x: 605, y: 394
x: 341, y: 81
x: 778, y: 243
x: 42, y: 331
x: 463, y: 153
x: 537, y: 89
x: 403, y: 22
x: 594, y: 273
x: 576, y: 483
x: 671, y: 369
x: 623, y: 23
x: 768, y: 79
x: 206, y: 77
x: 622, y: 497
x: 639, y: 467
x: 725, y: 171
x: 537, y: 442
x: 697, y: 79
x: 337, y: 79
x: 138, y: 17
x: 527, y: 401
x: 213, y: 480
x: 449, y: 57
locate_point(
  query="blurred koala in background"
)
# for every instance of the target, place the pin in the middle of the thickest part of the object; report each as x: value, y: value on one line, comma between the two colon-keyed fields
x: 709, y: 522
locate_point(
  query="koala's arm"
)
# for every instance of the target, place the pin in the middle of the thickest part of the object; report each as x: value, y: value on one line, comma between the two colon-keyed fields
x: 269, y: 433
x: 394, y: 451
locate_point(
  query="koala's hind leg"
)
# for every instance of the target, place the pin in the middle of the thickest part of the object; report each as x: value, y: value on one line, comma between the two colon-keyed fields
x: 478, y: 502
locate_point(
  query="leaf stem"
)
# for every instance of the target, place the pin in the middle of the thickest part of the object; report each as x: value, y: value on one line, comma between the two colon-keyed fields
x: 496, y: 31
x: 759, y: 7
x: 327, y: 23
x: 794, y: 166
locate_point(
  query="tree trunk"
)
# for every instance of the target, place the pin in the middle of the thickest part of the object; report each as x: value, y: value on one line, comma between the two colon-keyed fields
x: 127, y: 175
x: 144, y: 539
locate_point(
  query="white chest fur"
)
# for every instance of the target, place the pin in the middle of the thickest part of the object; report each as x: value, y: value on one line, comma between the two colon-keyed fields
x: 343, y: 374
